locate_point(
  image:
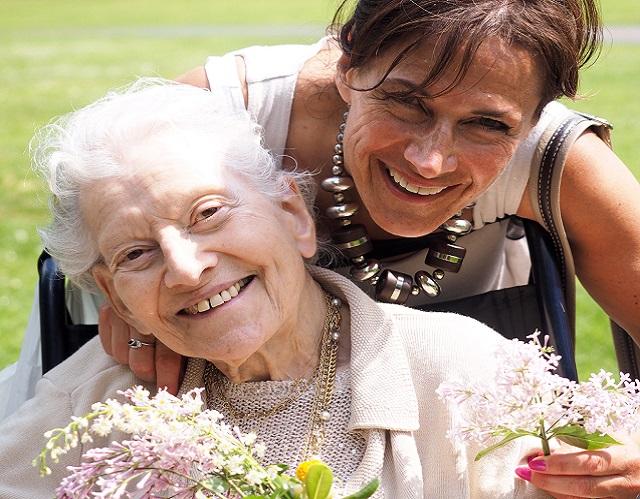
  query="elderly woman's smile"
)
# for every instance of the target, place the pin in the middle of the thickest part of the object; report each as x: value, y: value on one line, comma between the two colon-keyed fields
x: 180, y: 263
x: 219, y: 299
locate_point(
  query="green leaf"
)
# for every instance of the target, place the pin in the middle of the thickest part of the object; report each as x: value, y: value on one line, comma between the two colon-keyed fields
x: 216, y: 484
x: 578, y: 437
x: 318, y: 481
x: 510, y: 435
x: 366, y: 491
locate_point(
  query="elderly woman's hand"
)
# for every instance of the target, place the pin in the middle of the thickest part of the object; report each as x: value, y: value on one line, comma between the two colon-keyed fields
x: 150, y: 363
x: 570, y: 473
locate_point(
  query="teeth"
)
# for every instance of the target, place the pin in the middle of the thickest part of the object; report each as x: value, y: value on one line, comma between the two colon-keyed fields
x: 218, y: 299
x: 415, y: 189
x: 203, y: 306
x: 412, y: 188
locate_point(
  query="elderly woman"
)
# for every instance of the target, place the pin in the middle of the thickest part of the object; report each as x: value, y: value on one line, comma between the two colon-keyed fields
x: 185, y: 223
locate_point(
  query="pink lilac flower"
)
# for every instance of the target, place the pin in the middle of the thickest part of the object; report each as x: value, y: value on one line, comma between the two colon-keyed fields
x: 528, y: 397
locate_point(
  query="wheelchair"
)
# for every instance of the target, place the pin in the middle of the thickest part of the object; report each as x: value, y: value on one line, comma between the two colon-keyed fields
x: 514, y: 312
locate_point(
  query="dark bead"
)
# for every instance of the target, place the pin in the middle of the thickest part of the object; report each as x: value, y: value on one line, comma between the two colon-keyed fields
x: 445, y: 255
x: 438, y: 274
x: 427, y: 283
x: 341, y: 210
x: 393, y: 287
x: 353, y: 241
x: 337, y: 184
x: 457, y: 226
x: 365, y: 271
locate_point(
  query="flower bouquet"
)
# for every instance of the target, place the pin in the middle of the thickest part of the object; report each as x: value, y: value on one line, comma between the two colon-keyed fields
x: 529, y: 399
x: 176, y: 449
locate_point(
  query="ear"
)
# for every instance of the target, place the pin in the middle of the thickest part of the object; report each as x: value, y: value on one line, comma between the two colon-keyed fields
x: 301, y: 223
x: 344, y: 74
x: 104, y: 280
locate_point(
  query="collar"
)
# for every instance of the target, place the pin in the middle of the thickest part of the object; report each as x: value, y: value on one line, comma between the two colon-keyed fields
x: 382, y: 391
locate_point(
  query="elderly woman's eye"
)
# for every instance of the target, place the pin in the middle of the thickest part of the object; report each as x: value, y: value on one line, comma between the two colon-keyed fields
x: 134, y: 254
x: 206, y: 213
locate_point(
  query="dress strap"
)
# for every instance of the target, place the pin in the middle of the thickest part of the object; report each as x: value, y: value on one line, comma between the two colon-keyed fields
x: 222, y: 74
x: 546, y: 175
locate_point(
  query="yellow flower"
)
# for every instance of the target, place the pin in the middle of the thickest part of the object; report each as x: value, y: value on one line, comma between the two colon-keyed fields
x: 303, y: 468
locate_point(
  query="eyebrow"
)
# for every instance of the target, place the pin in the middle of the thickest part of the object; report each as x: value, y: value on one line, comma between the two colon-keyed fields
x: 410, y: 85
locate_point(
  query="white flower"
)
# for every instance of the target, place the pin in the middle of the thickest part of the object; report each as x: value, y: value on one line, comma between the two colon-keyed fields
x: 528, y: 397
x: 255, y: 477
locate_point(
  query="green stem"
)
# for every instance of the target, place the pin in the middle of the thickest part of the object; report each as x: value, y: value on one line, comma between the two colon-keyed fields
x: 545, y: 440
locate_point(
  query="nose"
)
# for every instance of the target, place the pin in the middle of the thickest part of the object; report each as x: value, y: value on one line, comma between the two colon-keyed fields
x: 432, y: 152
x: 185, y: 259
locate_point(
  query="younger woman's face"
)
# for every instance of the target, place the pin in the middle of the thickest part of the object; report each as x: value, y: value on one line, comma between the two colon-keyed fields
x: 418, y: 160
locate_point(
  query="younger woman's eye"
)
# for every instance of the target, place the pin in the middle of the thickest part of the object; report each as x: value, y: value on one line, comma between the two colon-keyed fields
x: 492, y: 124
x: 409, y: 108
x: 409, y: 101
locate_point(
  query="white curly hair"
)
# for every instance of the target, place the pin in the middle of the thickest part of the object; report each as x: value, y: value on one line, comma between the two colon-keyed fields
x: 92, y: 143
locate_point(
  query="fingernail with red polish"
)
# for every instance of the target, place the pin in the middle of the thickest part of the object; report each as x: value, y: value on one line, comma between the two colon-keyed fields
x: 524, y: 473
x: 537, y: 464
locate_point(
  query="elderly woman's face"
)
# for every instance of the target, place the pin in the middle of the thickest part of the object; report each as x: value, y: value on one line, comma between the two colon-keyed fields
x: 417, y: 161
x: 197, y: 257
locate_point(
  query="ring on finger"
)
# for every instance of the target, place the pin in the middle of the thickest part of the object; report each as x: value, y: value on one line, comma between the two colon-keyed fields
x: 135, y: 343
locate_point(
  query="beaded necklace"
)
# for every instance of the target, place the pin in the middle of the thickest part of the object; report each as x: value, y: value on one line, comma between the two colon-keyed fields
x: 353, y: 240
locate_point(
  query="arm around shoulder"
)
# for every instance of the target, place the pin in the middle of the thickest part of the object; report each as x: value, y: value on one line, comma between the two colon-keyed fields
x: 196, y: 77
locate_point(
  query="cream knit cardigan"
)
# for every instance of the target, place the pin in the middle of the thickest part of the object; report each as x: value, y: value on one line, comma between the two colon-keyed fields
x: 399, y: 356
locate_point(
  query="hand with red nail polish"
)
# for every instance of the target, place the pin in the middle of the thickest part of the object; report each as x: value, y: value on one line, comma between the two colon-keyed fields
x: 570, y: 473
x: 524, y: 473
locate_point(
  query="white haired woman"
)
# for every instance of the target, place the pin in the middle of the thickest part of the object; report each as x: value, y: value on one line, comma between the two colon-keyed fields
x: 182, y: 219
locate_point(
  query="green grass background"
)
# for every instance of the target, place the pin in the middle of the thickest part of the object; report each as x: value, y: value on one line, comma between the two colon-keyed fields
x: 61, y: 54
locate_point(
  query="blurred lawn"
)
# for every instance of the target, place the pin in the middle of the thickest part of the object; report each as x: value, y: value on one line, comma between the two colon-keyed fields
x: 61, y: 54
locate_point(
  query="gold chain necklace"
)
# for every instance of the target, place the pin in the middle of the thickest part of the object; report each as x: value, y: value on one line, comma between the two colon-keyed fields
x: 323, y: 378
x: 353, y: 240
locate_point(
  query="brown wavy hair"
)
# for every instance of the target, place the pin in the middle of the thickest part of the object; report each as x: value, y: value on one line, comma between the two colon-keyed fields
x: 564, y: 35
